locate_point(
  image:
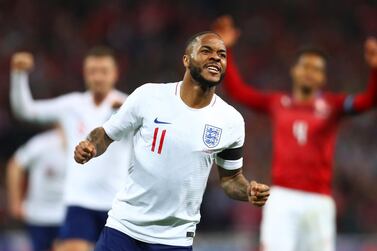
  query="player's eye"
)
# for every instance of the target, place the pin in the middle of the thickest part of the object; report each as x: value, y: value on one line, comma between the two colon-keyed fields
x: 223, y: 55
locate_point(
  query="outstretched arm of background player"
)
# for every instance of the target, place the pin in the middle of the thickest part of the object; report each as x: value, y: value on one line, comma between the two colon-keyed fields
x: 234, y: 85
x: 237, y: 187
x: 96, y: 144
x: 15, y: 178
x: 22, y: 102
x: 367, y: 99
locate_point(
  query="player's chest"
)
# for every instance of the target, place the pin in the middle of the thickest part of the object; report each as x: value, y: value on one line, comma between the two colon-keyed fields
x: 87, y: 117
x: 51, y: 167
x: 303, y: 124
x: 185, y: 131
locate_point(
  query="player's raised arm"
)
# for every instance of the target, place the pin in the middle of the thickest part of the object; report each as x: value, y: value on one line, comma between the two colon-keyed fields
x: 364, y: 101
x: 22, y: 102
x: 234, y: 85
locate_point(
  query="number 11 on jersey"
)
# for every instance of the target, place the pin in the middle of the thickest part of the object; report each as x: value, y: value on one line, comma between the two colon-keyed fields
x: 161, y: 142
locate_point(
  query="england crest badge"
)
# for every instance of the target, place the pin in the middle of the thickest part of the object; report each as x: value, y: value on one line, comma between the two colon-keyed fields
x: 211, y: 136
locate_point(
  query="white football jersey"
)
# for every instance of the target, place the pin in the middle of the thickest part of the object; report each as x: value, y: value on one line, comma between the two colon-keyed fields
x: 94, y: 185
x: 174, y: 149
x: 44, y: 157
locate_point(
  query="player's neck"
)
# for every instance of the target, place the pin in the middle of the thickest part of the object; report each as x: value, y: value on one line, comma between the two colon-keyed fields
x: 98, y: 98
x: 303, y: 95
x: 193, y: 95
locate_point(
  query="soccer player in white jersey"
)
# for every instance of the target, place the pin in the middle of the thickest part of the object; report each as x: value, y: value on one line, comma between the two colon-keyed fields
x: 88, y: 192
x: 179, y: 130
x: 43, y: 159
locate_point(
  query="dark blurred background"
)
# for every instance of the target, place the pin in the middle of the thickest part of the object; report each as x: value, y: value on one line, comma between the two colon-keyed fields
x: 149, y: 36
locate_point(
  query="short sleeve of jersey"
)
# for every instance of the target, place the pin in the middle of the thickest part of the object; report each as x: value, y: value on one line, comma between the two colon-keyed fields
x: 232, y: 157
x: 128, y: 117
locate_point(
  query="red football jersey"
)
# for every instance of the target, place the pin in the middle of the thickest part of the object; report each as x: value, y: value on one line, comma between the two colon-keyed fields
x: 304, y: 134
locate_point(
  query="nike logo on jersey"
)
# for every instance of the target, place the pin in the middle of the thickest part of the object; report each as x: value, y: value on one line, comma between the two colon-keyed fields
x: 160, y: 122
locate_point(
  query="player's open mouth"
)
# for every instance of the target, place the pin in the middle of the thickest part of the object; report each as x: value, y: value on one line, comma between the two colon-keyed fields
x: 213, y: 68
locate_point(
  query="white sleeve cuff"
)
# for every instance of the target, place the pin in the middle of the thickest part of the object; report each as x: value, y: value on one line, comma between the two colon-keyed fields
x: 111, y: 131
x: 229, y: 164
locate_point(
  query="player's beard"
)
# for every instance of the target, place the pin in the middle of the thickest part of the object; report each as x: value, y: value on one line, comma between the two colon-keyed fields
x: 307, y: 90
x: 196, y: 74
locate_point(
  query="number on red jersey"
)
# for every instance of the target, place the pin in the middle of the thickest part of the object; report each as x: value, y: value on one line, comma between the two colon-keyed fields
x: 300, y: 131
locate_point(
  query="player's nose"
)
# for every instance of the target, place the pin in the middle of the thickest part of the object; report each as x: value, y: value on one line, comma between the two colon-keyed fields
x: 215, y: 57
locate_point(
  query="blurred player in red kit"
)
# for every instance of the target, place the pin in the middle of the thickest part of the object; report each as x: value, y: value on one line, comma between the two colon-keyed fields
x: 300, y: 214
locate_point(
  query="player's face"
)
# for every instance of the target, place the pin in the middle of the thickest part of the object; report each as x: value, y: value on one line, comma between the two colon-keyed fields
x: 100, y: 74
x: 309, y: 71
x: 207, y: 62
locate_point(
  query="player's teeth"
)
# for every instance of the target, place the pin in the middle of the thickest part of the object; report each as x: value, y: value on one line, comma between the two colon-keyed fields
x: 213, y: 69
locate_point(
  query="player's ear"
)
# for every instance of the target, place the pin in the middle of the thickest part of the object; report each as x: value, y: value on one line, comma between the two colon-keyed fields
x: 186, y: 60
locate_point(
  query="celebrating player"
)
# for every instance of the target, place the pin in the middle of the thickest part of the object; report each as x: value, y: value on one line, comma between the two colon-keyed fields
x: 88, y: 193
x: 178, y: 130
x: 43, y: 210
x: 300, y: 214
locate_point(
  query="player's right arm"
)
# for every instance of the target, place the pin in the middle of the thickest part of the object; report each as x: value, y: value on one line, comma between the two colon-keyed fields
x: 22, y: 102
x: 234, y: 85
x: 96, y: 144
x: 126, y: 120
x: 15, y: 179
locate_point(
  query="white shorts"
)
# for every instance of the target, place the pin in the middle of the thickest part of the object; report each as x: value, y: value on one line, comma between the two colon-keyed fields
x: 295, y: 220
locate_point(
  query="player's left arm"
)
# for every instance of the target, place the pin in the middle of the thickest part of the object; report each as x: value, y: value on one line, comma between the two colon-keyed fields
x: 230, y: 162
x: 367, y: 99
x: 237, y: 187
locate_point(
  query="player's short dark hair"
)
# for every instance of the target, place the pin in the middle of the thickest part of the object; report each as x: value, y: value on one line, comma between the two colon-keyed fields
x: 193, y: 38
x: 101, y: 51
x: 311, y: 50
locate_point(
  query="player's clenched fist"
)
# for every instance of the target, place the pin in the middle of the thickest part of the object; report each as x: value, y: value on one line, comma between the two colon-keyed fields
x: 258, y: 193
x: 84, y: 151
x: 22, y: 61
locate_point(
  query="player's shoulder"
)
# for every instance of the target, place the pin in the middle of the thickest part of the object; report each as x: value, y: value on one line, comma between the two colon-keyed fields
x: 119, y: 94
x: 333, y: 95
x: 156, y: 89
x: 158, y: 86
x: 335, y: 99
x: 228, y: 111
x: 72, y: 97
x: 44, y: 140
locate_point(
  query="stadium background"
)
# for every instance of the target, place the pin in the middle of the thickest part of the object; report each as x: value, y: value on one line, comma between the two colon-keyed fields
x: 149, y: 37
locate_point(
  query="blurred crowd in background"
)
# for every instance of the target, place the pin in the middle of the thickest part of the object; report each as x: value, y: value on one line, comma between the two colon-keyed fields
x: 149, y: 38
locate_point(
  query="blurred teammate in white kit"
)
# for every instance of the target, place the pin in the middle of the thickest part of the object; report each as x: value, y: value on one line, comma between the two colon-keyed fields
x: 43, y: 159
x: 88, y: 193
